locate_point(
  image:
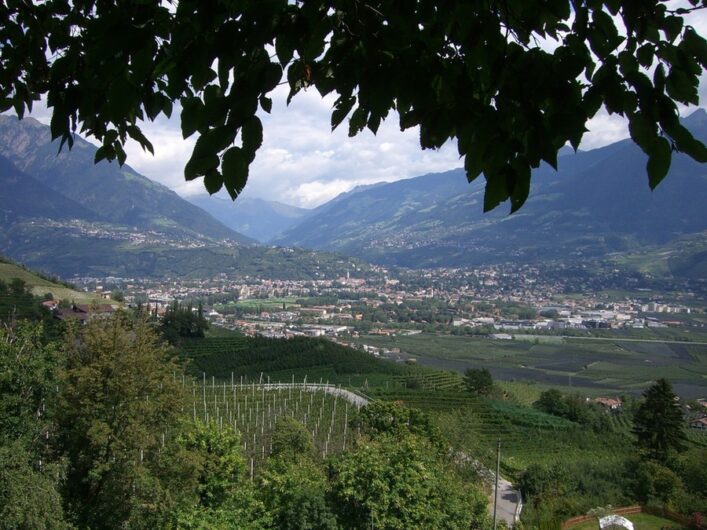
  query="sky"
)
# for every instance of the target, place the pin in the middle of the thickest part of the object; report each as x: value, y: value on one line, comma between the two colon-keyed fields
x: 303, y: 163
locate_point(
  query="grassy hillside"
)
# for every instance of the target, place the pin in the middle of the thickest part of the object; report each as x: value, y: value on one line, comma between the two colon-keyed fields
x: 40, y: 286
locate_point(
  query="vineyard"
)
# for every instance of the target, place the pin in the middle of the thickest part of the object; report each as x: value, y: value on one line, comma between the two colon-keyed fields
x: 475, y: 424
x: 280, y: 359
x: 432, y: 380
x: 252, y: 409
x: 237, y: 387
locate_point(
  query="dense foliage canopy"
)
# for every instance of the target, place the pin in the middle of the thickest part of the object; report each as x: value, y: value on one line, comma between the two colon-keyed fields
x: 511, y: 81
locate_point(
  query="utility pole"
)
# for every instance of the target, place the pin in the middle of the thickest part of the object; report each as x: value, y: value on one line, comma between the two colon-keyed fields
x: 495, y: 491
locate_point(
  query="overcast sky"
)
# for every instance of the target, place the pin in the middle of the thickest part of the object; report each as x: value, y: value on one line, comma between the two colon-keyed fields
x: 304, y: 164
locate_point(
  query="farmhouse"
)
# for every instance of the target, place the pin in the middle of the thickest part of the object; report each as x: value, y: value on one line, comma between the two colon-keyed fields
x: 83, y: 312
x: 609, y: 403
x: 699, y: 423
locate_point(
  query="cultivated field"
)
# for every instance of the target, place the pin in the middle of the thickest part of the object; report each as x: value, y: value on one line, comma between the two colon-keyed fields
x: 590, y: 366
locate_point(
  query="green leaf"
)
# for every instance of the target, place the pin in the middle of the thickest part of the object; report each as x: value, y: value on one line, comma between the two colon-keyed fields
x: 695, y: 45
x: 235, y: 171
x: 192, y: 111
x: 59, y: 124
x: 136, y: 134
x: 473, y: 165
x: 658, y: 161
x: 672, y: 26
x: 213, y: 181
x: 519, y: 174
x: 284, y: 49
x: 688, y: 144
x: 496, y: 190
x: 645, y: 55
x: 200, y: 165
x: 342, y: 107
x: 214, y: 141
x: 272, y: 74
x: 252, y: 135
x: 266, y: 104
x: 358, y: 121
x: 680, y: 86
x: 100, y: 154
x: 643, y: 131
x: 120, y: 153
x: 215, y: 106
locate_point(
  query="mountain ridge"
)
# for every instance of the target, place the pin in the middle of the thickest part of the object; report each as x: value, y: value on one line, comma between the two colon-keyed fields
x: 115, y: 194
x: 597, y: 203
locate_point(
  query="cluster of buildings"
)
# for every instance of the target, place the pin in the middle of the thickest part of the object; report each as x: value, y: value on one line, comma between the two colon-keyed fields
x: 132, y: 236
x: 471, y: 298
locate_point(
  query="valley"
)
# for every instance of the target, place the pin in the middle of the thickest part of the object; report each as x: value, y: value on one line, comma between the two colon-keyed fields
x: 394, y: 293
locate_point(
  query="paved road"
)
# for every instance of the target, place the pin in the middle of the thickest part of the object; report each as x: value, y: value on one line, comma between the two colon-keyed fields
x: 353, y: 398
x: 508, y: 499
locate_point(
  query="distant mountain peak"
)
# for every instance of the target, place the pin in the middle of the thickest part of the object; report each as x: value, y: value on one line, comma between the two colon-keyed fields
x: 696, y: 119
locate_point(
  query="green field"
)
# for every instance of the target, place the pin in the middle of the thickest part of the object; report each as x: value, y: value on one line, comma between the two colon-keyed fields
x: 255, y: 304
x: 589, y: 366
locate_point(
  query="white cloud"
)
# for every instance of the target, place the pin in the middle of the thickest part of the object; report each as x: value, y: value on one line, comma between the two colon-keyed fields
x: 603, y: 129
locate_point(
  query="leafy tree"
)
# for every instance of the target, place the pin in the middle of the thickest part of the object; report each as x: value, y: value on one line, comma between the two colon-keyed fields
x: 656, y: 483
x: 291, y: 439
x: 470, y: 71
x: 29, y: 472
x: 478, y: 381
x: 560, y: 489
x: 118, y: 296
x: 17, y: 303
x: 551, y: 401
x: 27, y: 383
x: 295, y: 493
x: 391, y: 419
x: 118, y: 403
x: 29, y: 497
x: 215, y: 469
x: 658, y: 423
x: 397, y: 482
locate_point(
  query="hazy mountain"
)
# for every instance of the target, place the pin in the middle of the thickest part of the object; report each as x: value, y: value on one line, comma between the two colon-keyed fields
x: 68, y: 217
x: 256, y: 218
x: 114, y: 194
x: 23, y: 196
x: 598, y: 202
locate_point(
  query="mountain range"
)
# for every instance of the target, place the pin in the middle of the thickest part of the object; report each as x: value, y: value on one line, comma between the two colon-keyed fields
x: 106, y: 191
x: 256, y: 218
x: 597, y: 203
x: 66, y: 215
